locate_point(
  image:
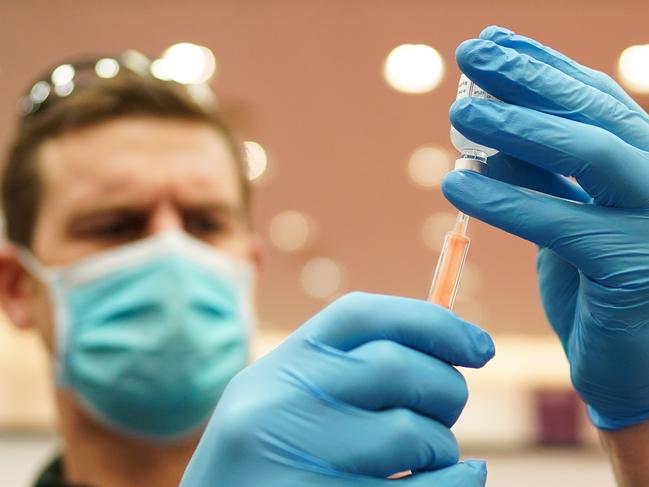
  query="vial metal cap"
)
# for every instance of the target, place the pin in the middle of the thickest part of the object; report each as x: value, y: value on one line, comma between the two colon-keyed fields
x: 474, y: 165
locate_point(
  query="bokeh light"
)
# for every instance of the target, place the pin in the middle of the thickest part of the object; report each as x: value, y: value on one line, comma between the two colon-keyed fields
x: 202, y: 94
x: 413, y: 68
x: 40, y: 91
x: 64, y: 89
x: 291, y: 231
x: 429, y: 164
x: 160, y: 70
x: 63, y: 75
x: 185, y: 63
x: 321, y: 277
x: 136, y: 61
x: 435, y: 227
x: 107, y: 68
x: 634, y: 68
x: 257, y: 159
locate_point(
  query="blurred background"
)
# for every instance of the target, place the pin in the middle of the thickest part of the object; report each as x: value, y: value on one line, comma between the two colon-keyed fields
x: 343, y: 105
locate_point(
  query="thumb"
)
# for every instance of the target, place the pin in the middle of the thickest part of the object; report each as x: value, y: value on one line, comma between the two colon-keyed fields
x: 558, y: 224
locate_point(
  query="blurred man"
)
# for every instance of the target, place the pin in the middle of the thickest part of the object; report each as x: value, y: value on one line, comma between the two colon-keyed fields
x: 127, y: 207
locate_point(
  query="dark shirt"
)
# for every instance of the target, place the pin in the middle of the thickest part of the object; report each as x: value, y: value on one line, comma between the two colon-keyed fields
x: 52, y: 476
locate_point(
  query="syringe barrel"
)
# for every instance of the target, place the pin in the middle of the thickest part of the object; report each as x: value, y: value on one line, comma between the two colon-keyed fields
x: 449, y: 269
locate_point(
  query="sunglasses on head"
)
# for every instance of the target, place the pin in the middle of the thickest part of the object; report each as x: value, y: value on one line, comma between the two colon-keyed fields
x: 64, y: 79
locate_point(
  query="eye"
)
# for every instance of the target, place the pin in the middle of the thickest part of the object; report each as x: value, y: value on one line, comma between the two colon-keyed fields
x: 113, y: 226
x: 120, y: 227
x: 203, y: 223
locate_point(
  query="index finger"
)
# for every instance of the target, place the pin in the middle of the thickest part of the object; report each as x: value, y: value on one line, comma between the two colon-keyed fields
x: 547, y: 55
x: 358, y: 318
x: 522, y: 80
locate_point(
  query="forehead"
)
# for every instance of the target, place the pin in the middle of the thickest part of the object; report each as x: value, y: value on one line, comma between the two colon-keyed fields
x: 138, y: 157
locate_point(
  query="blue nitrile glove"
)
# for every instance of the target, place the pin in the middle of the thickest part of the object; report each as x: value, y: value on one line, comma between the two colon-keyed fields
x: 564, y: 119
x: 363, y: 390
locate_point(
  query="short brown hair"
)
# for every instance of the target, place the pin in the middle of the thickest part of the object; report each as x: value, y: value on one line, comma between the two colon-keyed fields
x: 100, y: 101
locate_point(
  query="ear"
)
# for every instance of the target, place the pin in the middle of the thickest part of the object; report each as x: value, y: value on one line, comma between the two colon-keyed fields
x: 16, y: 287
x: 256, y: 255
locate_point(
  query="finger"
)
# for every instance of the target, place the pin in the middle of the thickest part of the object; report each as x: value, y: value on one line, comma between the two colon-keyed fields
x: 610, y: 170
x: 382, y: 375
x: 379, y: 444
x: 524, y: 45
x: 522, y: 80
x: 514, y: 171
x: 560, y: 225
x: 558, y: 281
x: 359, y: 318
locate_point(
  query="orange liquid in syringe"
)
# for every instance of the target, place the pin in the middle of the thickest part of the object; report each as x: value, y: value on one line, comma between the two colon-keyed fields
x: 449, y: 266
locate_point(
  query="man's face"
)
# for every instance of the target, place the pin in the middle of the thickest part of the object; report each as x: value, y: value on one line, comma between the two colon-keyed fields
x: 123, y: 180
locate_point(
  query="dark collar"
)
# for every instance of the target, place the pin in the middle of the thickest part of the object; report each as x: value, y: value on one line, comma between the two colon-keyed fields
x: 52, y: 476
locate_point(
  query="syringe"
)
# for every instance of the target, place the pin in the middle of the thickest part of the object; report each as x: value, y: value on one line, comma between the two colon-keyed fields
x: 446, y: 279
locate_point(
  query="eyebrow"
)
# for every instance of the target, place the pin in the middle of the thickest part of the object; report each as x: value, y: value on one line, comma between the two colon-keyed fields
x: 221, y: 207
x: 108, y: 209
x: 143, y: 209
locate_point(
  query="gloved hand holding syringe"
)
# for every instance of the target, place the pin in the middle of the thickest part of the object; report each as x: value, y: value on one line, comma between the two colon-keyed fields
x: 473, y: 156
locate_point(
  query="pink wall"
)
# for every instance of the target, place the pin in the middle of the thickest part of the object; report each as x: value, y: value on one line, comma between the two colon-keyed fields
x: 305, y: 77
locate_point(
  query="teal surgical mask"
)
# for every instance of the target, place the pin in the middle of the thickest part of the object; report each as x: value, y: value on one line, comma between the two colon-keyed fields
x: 148, y: 334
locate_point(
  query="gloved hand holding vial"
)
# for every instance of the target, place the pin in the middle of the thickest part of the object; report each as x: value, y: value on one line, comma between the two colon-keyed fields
x: 559, y: 120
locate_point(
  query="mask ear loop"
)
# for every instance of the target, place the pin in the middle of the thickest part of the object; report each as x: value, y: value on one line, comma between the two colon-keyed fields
x: 57, y: 297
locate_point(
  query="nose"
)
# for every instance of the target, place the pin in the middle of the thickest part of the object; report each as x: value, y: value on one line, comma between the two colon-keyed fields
x: 164, y: 218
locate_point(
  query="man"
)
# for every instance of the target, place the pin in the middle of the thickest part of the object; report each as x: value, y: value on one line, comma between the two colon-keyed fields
x: 127, y: 207
x: 367, y: 387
